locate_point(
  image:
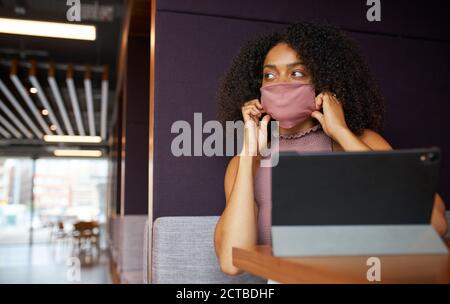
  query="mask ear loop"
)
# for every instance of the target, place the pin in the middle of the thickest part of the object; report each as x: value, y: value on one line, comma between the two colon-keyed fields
x: 269, y: 130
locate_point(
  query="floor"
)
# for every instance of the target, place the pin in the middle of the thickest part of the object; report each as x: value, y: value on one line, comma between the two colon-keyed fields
x: 14, y: 235
x: 50, y: 264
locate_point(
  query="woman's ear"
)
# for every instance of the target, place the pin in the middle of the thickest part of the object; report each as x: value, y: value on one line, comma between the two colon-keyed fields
x: 318, y: 101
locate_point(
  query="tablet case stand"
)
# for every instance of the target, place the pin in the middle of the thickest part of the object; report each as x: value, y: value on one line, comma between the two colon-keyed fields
x: 361, y: 240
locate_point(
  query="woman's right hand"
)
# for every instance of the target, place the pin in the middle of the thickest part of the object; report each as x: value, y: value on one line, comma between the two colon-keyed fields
x: 255, y: 134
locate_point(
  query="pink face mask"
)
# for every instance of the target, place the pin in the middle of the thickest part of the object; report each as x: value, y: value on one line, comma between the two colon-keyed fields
x: 289, y: 103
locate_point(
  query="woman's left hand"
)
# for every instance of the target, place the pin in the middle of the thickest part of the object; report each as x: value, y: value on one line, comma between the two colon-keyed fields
x: 332, y: 119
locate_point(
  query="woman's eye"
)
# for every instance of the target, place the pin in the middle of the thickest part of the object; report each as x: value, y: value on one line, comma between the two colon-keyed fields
x: 269, y: 76
x: 297, y: 74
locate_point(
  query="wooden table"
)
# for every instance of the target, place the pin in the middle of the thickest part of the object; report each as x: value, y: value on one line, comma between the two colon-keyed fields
x: 327, y: 270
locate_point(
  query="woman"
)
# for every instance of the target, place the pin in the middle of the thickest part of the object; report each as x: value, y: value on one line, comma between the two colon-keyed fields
x: 343, y: 112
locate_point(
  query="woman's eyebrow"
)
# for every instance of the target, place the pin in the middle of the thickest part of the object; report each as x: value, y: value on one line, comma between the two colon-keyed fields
x: 272, y: 66
x: 290, y: 65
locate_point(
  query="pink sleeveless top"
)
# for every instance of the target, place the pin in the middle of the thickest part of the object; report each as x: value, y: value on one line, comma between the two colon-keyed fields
x: 311, y: 140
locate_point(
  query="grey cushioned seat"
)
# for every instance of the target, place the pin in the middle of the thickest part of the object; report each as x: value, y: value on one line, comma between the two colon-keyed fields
x: 183, y: 252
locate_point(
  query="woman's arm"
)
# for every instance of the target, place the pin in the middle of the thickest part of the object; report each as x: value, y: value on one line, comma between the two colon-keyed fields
x: 237, y: 227
x: 438, y: 218
x: 333, y: 123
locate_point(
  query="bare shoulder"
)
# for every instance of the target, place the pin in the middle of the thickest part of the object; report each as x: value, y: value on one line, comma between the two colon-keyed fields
x: 374, y: 140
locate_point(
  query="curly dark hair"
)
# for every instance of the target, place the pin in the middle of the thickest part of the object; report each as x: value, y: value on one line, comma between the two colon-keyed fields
x: 334, y: 61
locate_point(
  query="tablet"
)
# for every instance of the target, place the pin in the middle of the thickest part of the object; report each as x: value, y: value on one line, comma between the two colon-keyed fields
x: 353, y: 203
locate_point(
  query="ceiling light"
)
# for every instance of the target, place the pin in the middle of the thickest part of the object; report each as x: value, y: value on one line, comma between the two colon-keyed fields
x: 73, y: 139
x: 77, y: 153
x: 30, y: 103
x: 53, y: 127
x: 44, y: 112
x: 75, y: 105
x: 47, y: 29
x: 59, y: 101
x: 20, y: 110
x: 33, y: 90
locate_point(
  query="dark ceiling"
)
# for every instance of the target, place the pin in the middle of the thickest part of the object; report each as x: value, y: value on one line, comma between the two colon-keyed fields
x: 106, y: 15
x: 102, y: 51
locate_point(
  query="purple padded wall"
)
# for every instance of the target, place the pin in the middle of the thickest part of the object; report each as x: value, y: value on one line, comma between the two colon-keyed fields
x: 195, y: 41
x: 415, y: 18
x: 192, y: 53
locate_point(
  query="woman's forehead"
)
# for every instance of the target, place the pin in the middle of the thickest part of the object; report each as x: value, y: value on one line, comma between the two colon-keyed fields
x: 282, y: 55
